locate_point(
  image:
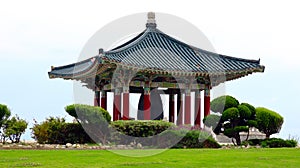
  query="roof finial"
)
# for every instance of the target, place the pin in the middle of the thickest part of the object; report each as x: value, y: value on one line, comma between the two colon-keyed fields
x: 151, y: 20
x: 101, y: 51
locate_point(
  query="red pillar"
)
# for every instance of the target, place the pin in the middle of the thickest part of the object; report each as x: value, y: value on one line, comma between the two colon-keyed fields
x: 125, y: 104
x: 179, y: 109
x: 117, y: 105
x: 206, y: 101
x: 103, y: 100
x: 187, y: 109
x: 97, y: 98
x: 197, y: 108
x: 147, y: 104
x: 171, y: 108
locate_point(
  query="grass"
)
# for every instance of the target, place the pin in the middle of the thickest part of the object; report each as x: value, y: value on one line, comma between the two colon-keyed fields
x: 280, y: 157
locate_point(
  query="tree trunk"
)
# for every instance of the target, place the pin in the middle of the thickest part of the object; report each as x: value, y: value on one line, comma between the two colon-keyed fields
x: 238, y: 139
x: 233, y: 142
x: 267, y: 136
x: 247, y: 135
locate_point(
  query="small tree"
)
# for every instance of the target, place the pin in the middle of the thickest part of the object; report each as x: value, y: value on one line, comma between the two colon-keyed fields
x: 4, y: 115
x: 55, y: 130
x: 13, y: 128
x: 268, y: 121
x: 94, y: 120
x: 234, y: 117
x: 49, y: 131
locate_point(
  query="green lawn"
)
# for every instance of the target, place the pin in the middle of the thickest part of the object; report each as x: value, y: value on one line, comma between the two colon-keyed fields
x: 169, y: 158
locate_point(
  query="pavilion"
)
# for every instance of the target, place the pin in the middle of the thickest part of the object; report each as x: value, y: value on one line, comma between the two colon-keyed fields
x: 154, y: 60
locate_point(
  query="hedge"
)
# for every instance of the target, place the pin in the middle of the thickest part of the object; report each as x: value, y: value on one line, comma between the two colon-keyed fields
x: 140, y: 128
x: 272, y: 142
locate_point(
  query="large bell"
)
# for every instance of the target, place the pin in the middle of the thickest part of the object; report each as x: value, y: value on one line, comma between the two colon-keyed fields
x: 156, y: 110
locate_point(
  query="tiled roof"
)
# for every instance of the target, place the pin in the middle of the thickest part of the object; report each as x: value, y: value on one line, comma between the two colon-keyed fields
x: 156, y: 51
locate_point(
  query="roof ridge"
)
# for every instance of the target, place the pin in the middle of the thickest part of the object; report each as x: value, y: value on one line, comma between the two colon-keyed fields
x: 129, y: 43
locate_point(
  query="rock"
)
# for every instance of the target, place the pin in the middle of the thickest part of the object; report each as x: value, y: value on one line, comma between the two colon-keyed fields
x: 27, y: 147
x: 68, y: 145
x: 139, y: 146
x: 133, y: 143
x: 74, y: 146
x: 6, y: 146
x: 121, y: 146
x: 78, y: 146
x: 106, y: 147
x: 49, y: 146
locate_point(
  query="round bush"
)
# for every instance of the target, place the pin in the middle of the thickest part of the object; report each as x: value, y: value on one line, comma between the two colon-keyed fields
x: 91, y: 113
x: 251, y: 108
x: 244, y: 111
x: 230, y: 114
x: 268, y: 121
x: 222, y: 103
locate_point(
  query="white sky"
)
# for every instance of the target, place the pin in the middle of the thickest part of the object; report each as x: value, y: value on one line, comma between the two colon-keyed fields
x: 37, y: 34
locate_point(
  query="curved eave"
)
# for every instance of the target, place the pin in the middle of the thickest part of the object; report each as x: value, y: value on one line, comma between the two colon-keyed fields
x: 235, y: 72
x: 76, y: 70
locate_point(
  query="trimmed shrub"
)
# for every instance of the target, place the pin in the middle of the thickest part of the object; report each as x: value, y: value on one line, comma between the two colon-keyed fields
x: 268, y: 121
x: 230, y: 114
x: 167, y: 135
x: 82, y: 112
x: 212, y: 120
x: 186, y: 139
x: 171, y: 138
x: 251, y: 108
x: 222, y: 103
x: 74, y: 133
x: 244, y: 112
x: 210, y: 142
x: 139, y: 131
x: 140, y: 128
x: 94, y: 120
x: 197, y: 139
x: 278, y: 143
x: 273, y: 143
